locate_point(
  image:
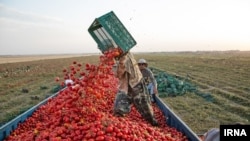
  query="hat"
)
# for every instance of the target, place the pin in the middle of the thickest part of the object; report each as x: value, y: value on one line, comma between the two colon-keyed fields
x: 212, y: 135
x: 142, y: 61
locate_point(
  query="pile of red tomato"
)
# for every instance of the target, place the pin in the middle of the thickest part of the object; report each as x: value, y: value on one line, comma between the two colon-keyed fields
x: 84, y: 111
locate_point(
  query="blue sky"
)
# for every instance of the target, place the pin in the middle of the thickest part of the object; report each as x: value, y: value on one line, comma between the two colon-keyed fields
x: 60, y: 26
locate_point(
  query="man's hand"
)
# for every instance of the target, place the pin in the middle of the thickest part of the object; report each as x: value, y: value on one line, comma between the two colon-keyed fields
x: 155, y: 90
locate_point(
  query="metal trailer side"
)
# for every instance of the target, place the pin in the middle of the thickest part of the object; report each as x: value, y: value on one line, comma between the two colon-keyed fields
x: 172, y: 120
x: 7, y: 128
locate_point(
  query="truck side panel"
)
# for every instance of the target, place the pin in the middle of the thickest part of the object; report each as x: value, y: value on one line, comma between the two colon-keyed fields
x: 174, y: 121
x: 7, y: 128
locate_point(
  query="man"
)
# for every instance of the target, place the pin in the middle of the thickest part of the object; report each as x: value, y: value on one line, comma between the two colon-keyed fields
x: 148, y: 78
x: 132, y: 90
x: 212, y: 135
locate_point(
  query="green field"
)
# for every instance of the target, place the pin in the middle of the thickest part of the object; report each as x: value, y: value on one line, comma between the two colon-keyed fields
x: 224, y: 75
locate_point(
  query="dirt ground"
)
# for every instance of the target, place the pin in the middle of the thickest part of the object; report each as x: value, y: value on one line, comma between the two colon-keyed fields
x: 24, y: 58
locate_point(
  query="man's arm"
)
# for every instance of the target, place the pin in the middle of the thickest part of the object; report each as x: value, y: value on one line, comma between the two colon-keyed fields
x: 121, y: 67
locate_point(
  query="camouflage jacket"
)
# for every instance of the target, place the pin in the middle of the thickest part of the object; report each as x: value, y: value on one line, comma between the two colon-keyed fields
x: 149, y: 77
x: 128, y: 72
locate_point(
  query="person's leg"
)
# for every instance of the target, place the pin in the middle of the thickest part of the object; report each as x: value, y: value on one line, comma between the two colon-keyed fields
x: 150, y: 88
x: 151, y: 92
x: 122, y: 105
x: 142, y: 103
x: 153, y: 97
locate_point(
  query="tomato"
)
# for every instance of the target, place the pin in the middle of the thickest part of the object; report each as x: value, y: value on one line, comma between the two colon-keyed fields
x: 57, y: 79
x: 99, y: 133
x: 100, y: 138
x: 109, y: 129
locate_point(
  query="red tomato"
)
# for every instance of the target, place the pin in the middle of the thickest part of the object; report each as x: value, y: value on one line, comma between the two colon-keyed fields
x: 109, y: 129
x: 100, y: 138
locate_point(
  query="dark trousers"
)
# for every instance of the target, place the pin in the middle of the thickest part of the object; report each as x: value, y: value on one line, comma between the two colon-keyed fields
x: 138, y: 95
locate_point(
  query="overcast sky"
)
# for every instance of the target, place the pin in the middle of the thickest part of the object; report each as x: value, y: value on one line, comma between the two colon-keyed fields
x: 60, y: 26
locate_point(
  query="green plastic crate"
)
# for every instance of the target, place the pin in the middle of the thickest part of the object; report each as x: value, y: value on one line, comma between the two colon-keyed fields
x: 109, y: 32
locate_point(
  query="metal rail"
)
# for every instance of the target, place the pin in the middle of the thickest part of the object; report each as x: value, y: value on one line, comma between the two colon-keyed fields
x: 174, y: 121
x: 7, y: 128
